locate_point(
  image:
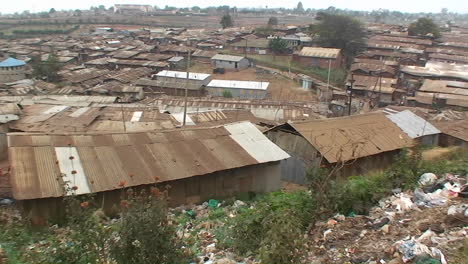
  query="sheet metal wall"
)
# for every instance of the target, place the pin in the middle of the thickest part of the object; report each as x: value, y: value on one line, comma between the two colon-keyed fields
x: 257, y: 178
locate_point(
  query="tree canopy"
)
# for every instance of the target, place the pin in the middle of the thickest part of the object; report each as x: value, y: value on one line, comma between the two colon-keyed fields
x: 342, y: 32
x: 278, y: 45
x: 52, y: 10
x: 226, y: 21
x: 300, y: 7
x: 48, y: 69
x: 424, y: 26
x: 273, y: 21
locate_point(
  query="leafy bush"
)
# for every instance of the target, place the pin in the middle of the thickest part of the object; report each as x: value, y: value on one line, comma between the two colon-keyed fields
x: 227, y: 94
x: 284, y: 240
x: 260, y: 230
x: 145, y: 236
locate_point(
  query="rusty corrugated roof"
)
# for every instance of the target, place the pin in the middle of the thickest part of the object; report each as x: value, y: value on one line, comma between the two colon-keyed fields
x: 316, y: 52
x: 348, y: 138
x: 101, y: 161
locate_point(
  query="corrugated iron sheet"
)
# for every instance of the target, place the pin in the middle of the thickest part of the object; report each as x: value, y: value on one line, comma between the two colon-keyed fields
x: 348, y: 138
x: 327, y: 53
x: 413, y: 125
x: 102, y: 161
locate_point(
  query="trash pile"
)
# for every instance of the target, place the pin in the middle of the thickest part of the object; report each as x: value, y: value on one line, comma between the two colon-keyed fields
x: 423, y: 226
x: 203, y: 221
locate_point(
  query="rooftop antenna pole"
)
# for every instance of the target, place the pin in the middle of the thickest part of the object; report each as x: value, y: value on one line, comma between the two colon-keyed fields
x: 186, y: 90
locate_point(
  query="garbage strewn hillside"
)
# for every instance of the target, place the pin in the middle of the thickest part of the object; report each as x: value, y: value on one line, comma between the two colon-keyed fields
x: 426, y: 225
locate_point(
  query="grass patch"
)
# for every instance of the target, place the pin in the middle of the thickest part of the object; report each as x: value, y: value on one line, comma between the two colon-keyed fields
x: 37, y: 30
x: 337, y: 76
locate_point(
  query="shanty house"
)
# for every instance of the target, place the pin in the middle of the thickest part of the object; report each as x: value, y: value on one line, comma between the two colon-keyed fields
x: 238, y: 89
x: 453, y: 133
x: 319, y: 57
x: 198, y: 164
x: 175, y: 82
x: 416, y: 127
x: 253, y: 46
x: 350, y: 145
x: 229, y: 62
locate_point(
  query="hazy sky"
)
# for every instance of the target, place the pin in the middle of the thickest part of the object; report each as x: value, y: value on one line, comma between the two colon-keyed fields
x: 460, y: 6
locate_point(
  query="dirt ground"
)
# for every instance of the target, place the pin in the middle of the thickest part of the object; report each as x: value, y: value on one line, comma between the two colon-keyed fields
x: 280, y: 88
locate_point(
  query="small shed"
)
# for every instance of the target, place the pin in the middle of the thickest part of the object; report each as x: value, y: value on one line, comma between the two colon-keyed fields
x: 319, y: 57
x: 229, y: 62
x: 238, y: 89
x: 175, y: 82
x: 351, y: 145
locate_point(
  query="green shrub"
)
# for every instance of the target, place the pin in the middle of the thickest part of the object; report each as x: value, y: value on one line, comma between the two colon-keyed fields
x: 145, y: 236
x: 284, y: 240
x: 227, y: 94
x: 256, y: 230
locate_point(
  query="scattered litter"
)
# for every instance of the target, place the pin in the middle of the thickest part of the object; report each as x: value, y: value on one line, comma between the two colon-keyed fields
x: 427, y: 179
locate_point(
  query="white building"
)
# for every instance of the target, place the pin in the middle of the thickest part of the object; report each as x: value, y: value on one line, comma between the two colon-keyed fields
x: 238, y: 89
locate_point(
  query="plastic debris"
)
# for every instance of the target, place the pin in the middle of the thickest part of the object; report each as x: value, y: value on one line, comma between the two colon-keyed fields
x: 212, y: 203
x: 427, y: 179
x: 428, y: 199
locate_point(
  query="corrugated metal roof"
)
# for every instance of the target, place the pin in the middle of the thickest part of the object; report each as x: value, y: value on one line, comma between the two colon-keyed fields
x: 12, y: 62
x: 438, y: 69
x: 448, y: 87
x: 102, y: 161
x: 223, y: 57
x: 457, y: 129
x: 348, y: 138
x: 413, y: 125
x: 183, y: 75
x: 327, y: 53
x: 251, y: 85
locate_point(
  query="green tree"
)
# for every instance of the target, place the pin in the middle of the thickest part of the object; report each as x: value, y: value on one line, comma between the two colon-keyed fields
x: 278, y: 46
x: 342, y: 32
x: 196, y: 9
x: 52, y: 10
x: 273, y: 21
x: 226, y: 21
x: 423, y: 27
x: 300, y: 7
x: 46, y: 69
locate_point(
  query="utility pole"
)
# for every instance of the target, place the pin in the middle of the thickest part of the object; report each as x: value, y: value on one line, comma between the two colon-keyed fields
x: 328, y: 77
x: 186, y: 89
x: 123, y: 118
x: 245, y: 49
x: 350, y: 94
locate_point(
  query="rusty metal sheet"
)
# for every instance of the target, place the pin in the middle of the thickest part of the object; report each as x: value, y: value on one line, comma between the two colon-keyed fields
x: 343, y: 139
x: 106, y: 160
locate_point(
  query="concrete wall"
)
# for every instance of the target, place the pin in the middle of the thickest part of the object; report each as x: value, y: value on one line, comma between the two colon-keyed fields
x: 12, y: 74
x: 259, y: 178
x: 237, y: 92
x: 243, y: 64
